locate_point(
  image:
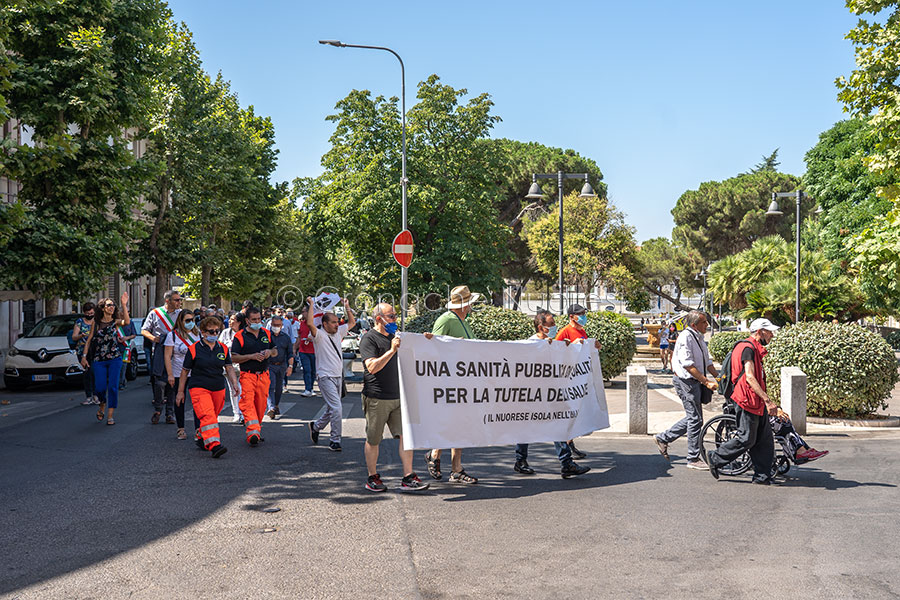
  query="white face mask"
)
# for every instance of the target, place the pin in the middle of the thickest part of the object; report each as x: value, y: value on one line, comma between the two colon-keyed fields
x: 276, y: 330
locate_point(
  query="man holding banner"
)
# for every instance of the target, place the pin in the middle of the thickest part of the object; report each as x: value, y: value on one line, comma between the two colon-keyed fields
x: 157, y: 326
x: 453, y: 323
x: 545, y: 329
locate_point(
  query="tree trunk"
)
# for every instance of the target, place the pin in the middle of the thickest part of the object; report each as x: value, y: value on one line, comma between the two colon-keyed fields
x: 205, y: 277
x: 675, y: 301
x: 162, y: 283
x: 51, y: 306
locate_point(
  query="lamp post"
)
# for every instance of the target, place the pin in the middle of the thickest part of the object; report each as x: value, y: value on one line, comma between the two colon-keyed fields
x: 404, y: 283
x: 535, y: 192
x: 697, y: 277
x: 775, y: 211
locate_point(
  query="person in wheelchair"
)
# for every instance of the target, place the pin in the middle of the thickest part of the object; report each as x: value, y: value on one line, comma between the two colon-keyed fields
x: 754, y: 434
x: 801, y: 452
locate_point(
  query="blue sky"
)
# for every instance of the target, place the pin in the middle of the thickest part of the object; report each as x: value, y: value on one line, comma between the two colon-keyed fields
x: 663, y: 95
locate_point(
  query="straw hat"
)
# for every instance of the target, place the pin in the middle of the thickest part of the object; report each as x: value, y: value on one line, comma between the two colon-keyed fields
x: 460, y: 297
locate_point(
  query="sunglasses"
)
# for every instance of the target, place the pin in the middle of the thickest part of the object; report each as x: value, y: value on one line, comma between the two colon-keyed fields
x: 109, y: 305
x: 212, y: 331
x: 188, y: 320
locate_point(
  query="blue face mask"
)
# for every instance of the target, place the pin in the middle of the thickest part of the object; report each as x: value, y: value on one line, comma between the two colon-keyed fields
x: 552, y: 331
x: 188, y: 325
x: 391, y: 328
x: 211, y: 338
x: 255, y: 326
x: 582, y: 320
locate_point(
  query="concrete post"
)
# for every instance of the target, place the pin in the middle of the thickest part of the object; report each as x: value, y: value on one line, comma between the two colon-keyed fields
x: 637, y: 399
x: 793, y: 396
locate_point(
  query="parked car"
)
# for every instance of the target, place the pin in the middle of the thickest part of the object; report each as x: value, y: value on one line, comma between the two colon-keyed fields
x: 43, y: 354
x: 137, y: 345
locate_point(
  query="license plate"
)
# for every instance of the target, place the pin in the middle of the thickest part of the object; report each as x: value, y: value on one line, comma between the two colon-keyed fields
x: 40, y: 377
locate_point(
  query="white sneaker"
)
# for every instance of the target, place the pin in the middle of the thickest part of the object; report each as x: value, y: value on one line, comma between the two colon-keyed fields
x: 306, y: 393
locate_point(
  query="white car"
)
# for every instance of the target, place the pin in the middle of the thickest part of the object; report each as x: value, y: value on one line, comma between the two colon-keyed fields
x: 43, y: 354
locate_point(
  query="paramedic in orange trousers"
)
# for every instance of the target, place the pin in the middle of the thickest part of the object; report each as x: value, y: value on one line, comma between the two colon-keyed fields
x: 252, y: 347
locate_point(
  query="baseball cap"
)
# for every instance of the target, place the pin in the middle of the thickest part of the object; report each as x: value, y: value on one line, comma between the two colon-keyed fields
x: 575, y: 309
x: 758, y: 324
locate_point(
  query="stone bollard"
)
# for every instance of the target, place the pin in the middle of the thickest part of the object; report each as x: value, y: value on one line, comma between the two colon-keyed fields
x: 637, y: 399
x: 793, y: 396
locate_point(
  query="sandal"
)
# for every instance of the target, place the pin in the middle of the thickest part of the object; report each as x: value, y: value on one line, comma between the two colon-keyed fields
x: 101, y: 412
x: 110, y: 421
x: 181, y: 435
x: 462, y: 477
x: 434, y: 466
x: 155, y: 418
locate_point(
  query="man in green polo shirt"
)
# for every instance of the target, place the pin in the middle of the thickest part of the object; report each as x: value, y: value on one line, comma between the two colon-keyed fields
x: 453, y: 323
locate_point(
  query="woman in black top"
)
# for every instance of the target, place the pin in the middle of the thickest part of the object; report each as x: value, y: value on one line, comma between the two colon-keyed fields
x: 106, y: 353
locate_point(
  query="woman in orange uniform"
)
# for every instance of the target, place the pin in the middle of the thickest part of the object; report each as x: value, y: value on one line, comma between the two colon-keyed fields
x: 202, y: 374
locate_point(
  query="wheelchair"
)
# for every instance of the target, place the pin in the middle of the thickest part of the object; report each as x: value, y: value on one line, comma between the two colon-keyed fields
x: 722, y: 428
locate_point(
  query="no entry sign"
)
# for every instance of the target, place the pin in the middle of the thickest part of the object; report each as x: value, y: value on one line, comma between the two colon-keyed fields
x: 402, y: 248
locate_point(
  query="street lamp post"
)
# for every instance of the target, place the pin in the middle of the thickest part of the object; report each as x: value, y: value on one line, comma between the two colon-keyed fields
x: 702, y: 274
x: 404, y: 281
x: 775, y: 211
x: 535, y: 192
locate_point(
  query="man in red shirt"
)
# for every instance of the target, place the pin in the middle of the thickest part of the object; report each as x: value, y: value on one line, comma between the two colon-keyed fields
x: 754, y: 434
x: 574, y: 332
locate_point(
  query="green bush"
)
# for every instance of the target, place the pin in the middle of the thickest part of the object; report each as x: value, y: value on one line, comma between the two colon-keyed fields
x: 721, y: 343
x: 487, y: 323
x: 851, y: 371
x: 893, y: 340
x: 616, y: 333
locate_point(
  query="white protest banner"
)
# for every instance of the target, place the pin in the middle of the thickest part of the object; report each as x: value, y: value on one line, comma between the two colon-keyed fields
x: 459, y: 393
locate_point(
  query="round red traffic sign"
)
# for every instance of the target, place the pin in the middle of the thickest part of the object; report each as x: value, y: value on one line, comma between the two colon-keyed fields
x: 402, y: 248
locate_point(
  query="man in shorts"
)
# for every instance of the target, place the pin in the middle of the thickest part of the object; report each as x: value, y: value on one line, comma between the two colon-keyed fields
x: 381, y: 397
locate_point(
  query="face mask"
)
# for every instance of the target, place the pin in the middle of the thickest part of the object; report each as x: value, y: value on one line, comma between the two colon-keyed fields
x: 255, y: 326
x: 764, y: 342
x: 188, y: 325
x: 276, y: 330
x: 210, y: 338
x: 582, y: 320
x: 391, y: 328
x: 551, y: 331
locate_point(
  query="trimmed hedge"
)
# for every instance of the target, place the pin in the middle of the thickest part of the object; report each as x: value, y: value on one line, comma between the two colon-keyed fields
x: 851, y: 371
x: 721, y: 343
x: 893, y: 340
x: 616, y: 333
x: 487, y: 323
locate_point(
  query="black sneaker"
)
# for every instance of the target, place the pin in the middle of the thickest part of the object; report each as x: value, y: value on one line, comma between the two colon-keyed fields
x: 522, y: 467
x: 713, y: 469
x: 271, y: 414
x: 373, y: 484
x: 277, y: 411
x: 576, y: 453
x: 412, y: 484
x: 571, y: 469
x: 334, y: 446
x: 218, y: 451
x: 253, y: 440
x: 313, y: 433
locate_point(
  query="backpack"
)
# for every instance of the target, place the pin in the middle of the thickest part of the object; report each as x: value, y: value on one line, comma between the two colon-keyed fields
x: 726, y: 385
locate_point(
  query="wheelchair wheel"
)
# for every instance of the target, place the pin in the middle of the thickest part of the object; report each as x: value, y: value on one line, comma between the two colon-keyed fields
x: 782, y: 464
x: 716, y: 432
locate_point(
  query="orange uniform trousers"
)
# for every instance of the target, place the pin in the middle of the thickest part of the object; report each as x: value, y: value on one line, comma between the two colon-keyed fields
x: 207, y: 405
x: 254, y: 392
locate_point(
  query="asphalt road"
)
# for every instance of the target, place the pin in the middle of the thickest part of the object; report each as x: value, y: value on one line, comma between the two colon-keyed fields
x: 91, y: 511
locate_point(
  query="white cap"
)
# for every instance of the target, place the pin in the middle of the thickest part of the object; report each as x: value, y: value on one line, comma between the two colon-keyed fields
x: 758, y: 324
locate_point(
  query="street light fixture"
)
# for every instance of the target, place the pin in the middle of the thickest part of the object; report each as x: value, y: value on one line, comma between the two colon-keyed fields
x: 404, y: 182
x: 775, y: 211
x: 535, y: 192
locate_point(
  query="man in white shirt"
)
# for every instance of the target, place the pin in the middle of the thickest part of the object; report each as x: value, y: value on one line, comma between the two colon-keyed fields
x: 329, y: 370
x: 691, y: 363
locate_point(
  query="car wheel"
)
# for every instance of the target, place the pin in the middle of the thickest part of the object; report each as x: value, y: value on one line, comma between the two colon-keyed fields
x: 131, y: 371
x: 14, y: 385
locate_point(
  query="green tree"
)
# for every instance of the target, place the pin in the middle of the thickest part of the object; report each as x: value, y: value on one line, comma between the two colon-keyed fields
x: 597, y: 247
x: 663, y: 264
x: 768, y: 163
x: 81, y: 79
x: 725, y: 217
x: 518, y: 161
x: 354, y: 207
x: 837, y: 177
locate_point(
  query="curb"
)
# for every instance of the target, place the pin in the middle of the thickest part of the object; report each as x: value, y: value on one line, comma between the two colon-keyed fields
x: 889, y: 422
